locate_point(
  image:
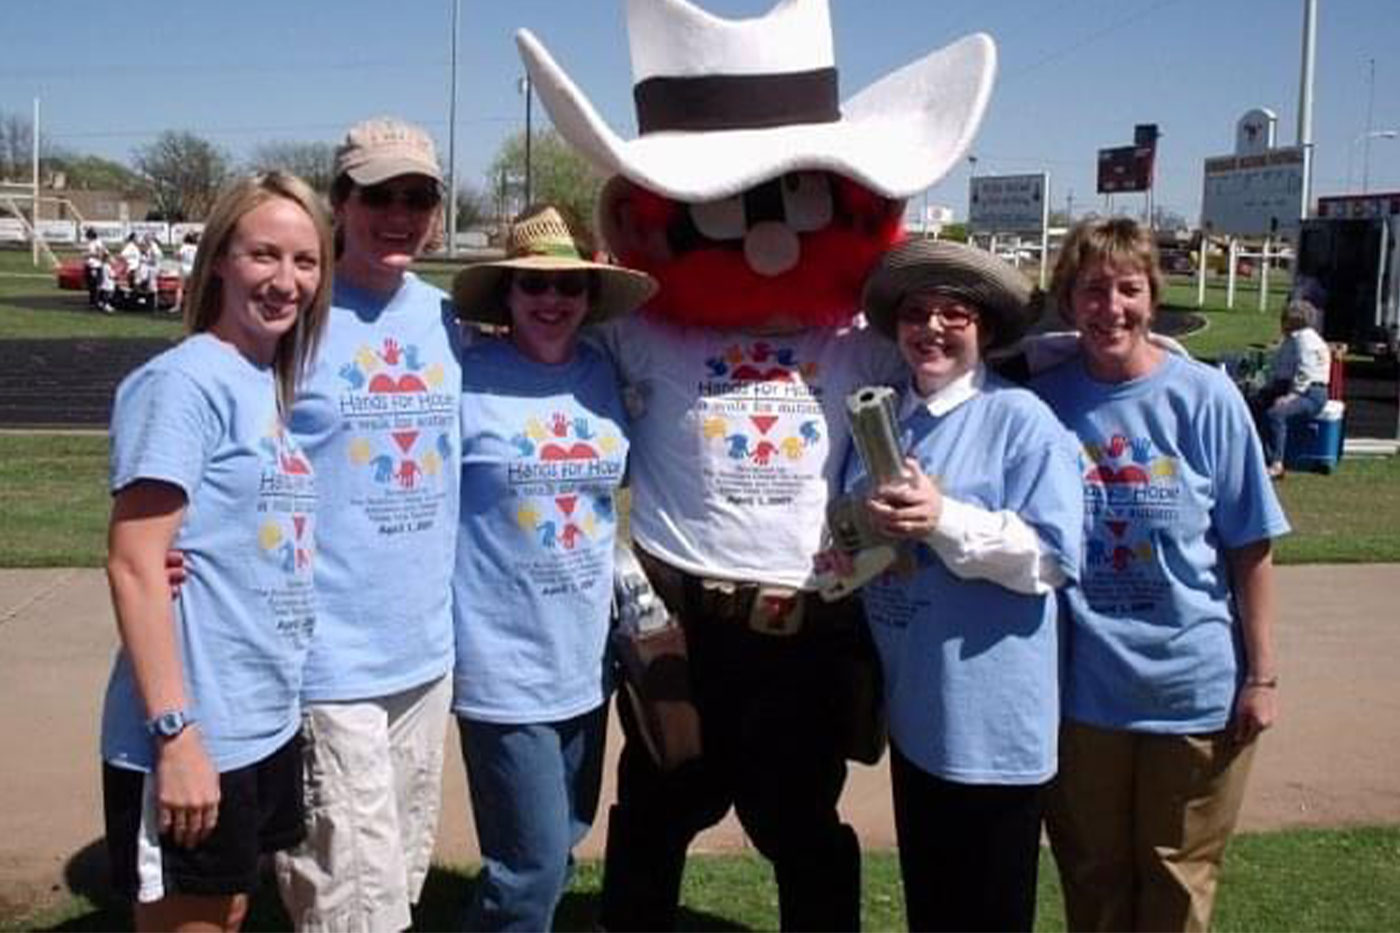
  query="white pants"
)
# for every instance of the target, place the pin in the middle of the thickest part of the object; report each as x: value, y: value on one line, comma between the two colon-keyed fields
x: 373, y: 792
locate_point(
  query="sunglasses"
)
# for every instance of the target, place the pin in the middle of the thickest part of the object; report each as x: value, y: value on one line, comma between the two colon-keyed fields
x: 418, y: 198
x: 948, y: 318
x: 565, y: 284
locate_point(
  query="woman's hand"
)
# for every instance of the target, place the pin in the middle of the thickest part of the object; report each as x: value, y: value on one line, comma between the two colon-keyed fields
x: 1256, y: 708
x: 187, y: 789
x: 909, y: 507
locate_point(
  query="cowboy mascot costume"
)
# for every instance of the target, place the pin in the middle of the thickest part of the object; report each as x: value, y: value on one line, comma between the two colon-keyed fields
x: 760, y: 203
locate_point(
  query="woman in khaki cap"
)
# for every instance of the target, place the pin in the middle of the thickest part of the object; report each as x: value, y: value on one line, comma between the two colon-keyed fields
x: 378, y: 418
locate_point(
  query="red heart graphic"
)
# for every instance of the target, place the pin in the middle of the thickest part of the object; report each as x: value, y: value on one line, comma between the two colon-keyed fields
x: 763, y: 422
x: 299, y: 523
x: 566, y: 503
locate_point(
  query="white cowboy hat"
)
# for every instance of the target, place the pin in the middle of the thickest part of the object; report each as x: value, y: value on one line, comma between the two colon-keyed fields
x: 723, y: 105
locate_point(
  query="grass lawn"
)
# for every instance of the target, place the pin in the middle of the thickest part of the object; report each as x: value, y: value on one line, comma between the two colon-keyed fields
x: 55, y: 504
x: 53, y: 494
x: 1292, y: 880
x: 33, y: 307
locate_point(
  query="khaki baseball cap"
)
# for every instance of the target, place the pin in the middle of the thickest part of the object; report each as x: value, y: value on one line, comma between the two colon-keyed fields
x: 382, y: 148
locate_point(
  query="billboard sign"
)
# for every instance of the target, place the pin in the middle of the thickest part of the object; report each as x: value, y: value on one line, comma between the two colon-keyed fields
x: 58, y: 231
x: 1254, y: 195
x: 1360, y: 206
x: 1008, y: 203
x: 1125, y: 168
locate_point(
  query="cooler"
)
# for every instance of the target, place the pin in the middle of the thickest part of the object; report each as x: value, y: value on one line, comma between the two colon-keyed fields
x: 1316, y: 443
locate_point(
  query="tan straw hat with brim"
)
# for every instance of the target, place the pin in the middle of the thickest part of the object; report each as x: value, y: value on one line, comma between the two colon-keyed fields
x: 542, y: 242
x: 995, y: 288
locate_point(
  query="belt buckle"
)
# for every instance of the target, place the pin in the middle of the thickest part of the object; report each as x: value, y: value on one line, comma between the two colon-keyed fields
x: 777, y: 610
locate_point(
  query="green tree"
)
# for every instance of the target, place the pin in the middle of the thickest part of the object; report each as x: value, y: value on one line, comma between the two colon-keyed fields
x: 314, y: 162
x: 473, y: 206
x: 17, y: 147
x: 184, y: 173
x: 94, y: 173
x: 559, y: 175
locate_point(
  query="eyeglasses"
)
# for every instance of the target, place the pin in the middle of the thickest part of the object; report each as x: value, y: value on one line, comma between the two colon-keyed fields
x: 382, y: 197
x: 566, y: 284
x: 948, y: 317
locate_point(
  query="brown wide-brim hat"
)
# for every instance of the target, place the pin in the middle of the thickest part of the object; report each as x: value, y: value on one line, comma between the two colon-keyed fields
x: 993, y: 286
x: 542, y: 242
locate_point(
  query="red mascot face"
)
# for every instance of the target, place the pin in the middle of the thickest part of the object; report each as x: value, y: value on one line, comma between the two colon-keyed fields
x: 790, y: 253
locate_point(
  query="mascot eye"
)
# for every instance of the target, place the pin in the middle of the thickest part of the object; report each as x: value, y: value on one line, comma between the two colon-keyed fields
x: 720, y: 220
x: 807, y: 203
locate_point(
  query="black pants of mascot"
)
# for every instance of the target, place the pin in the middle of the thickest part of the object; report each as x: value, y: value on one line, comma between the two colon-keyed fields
x: 771, y: 713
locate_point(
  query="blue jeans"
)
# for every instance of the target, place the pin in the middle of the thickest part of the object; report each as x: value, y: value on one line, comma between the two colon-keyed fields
x: 534, y: 791
x: 1308, y: 404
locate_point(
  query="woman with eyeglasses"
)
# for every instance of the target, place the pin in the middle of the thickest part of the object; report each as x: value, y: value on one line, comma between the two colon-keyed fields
x: 988, y: 515
x: 544, y: 450
x: 379, y: 421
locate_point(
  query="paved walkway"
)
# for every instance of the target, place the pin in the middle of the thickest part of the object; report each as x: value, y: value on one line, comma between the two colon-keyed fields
x: 1333, y: 759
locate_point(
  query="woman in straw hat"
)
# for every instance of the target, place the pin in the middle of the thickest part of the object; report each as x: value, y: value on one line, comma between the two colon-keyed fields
x: 1171, y: 674
x: 990, y: 507
x: 544, y: 449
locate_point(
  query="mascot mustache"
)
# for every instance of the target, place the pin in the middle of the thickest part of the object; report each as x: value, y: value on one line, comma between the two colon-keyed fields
x: 797, y: 247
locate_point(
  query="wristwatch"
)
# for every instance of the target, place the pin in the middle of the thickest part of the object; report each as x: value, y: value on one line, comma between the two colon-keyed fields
x: 169, y: 724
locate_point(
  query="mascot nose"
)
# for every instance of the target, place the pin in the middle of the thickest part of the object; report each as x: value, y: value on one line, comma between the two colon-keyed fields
x: 771, y: 248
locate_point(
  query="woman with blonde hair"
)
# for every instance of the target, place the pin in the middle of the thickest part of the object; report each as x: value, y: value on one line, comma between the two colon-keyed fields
x: 1170, y: 672
x: 199, y: 728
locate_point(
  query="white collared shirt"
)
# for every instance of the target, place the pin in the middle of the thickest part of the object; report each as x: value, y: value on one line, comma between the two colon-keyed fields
x: 975, y: 543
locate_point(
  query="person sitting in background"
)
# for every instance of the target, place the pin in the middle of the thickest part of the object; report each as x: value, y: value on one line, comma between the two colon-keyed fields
x: 1298, y: 378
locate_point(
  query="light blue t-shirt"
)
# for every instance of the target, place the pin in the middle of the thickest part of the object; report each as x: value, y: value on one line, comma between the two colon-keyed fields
x: 378, y: 418
x: 1173, y: 475
x: 203, y: 417
x: 971, y: 668
x: 543, y: 452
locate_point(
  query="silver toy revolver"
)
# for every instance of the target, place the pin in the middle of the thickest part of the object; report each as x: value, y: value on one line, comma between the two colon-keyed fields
x: 871, y: 411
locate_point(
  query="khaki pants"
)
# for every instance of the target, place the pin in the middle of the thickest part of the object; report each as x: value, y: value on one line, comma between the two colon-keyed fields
x: 1138, y: 823
x: 373, y: 772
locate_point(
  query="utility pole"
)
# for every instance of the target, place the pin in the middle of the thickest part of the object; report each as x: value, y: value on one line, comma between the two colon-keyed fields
x: 1305, y: 100
x: 34, y: 204
x: 528, y: 137
x: 452, y: 143
x: 1366, y: 144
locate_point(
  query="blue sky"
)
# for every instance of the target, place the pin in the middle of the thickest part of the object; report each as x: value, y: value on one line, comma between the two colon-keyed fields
x: 1075, y: 76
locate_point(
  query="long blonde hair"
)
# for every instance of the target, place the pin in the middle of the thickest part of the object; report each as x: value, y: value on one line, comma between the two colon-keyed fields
x: 203, y: 302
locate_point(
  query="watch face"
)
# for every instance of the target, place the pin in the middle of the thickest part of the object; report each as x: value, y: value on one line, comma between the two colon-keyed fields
x: 169, y: 724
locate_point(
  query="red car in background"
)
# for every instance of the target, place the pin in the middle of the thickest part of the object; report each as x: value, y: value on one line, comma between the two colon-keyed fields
x: 71, y: 274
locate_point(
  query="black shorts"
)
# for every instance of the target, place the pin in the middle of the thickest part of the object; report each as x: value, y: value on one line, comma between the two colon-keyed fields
x: 260, y: 810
